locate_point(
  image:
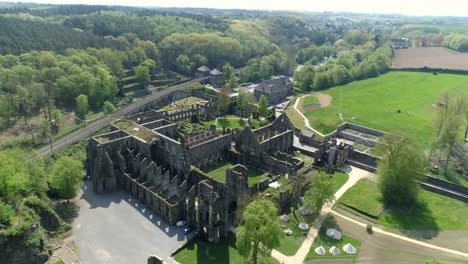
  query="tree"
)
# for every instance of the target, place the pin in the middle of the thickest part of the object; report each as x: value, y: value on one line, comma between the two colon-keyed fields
x: 260, y: 230
x: 82, y: 106
x: 228, y: 71
x: 232, y: 81
x: 6, y: 213
x: 448, y: 122
x: 183, y: 64
x: 321, y: 81
x: 245, y: 102
x: 320, y: 193
x: 142, y: 74
x: 398, y: 171
x: 108, y: 107
x: 263, y: 106
x: 67, y: 175
x: 223, y: 101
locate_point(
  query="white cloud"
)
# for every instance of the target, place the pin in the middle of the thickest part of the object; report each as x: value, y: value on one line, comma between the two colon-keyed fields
x: 409, y: 7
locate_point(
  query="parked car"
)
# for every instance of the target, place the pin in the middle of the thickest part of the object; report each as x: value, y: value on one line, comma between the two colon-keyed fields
x: 181, y: 223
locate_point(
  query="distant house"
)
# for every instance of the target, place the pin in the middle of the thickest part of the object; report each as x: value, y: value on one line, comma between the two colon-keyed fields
x: 276, y: 90
x: 400, y: 43
x: 216, y: 78
x: 202, y: 72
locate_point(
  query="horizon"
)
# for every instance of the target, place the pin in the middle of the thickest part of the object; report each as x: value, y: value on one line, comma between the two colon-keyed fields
x: 451, y: 8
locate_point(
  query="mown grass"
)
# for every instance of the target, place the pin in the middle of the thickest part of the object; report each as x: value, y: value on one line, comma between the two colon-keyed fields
x: 218, y: 173
x: 223, y: 252
x: 296, y: 119
x: 375, y: 102
x: 290, y: 244
x: 432, y: 212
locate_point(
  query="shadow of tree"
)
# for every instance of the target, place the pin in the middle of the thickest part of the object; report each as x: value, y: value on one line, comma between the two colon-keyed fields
x: 415, y: 222
x: 67, y: 211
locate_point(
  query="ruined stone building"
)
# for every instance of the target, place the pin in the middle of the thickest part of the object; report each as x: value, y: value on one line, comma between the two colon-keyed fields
x: 151, y: 156
x: 276, y: 90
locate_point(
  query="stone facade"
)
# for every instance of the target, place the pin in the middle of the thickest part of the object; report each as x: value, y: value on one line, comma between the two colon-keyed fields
x: 152, y: 158
x: 216, y: 78
x: 276, y: 90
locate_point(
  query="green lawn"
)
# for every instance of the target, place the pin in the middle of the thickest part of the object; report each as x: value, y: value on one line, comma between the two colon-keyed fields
x: 218, y: 172
x: 374, y: 103
x: 224, y: 252
x: 370, y: 203
x: 323, y: 240
x: 339, y: 178
x: 307, y: 101
x: 433, y: 212
x: 296, y: 119
x: 182, y: 102
x: 290, y: 244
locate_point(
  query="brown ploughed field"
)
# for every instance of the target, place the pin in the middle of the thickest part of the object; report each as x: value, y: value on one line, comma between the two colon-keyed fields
x: 432, y: 57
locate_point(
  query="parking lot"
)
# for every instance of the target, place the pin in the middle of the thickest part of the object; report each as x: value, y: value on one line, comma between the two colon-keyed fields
x: 117, y: 228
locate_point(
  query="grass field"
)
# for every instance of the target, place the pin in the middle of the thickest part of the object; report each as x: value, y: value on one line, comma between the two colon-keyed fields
x: 223, y: 252
x: 323, y: 240
x: 370, y: 203
x: 433, y: 212
x: 308, y: 102
x: 290, y: 244
x: 375, y: 102
x: 182, y: 103
x: 296, y: 119
x: 218, y: 172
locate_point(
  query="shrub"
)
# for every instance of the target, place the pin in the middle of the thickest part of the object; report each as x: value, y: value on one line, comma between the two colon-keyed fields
x: 6, y: 213
x: 369, y: 228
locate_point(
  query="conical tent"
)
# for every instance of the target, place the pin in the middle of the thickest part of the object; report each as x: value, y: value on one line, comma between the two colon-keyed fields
x: 303, y: 226
x: 284, y: 218
x: 305, y: 211
x: 350, y: 249
x: 320, y: 251
x: 334, y: 251
x: 335, y: 234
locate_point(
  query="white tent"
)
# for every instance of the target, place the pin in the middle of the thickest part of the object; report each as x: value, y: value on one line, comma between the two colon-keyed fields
x: 350, y: 249
x: 335, y: 234
x: 320, y: 251
x: 334, y: 251
x: 288, y: 232
x: 284, y: 218
x: 305, y: 211
x: 303, y: 226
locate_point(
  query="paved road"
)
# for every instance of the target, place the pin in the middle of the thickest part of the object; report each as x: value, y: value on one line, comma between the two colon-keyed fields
x: 116, y: 228
x: 101, y: 123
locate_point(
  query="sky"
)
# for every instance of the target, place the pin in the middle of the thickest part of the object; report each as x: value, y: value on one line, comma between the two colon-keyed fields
x: 407, y: 7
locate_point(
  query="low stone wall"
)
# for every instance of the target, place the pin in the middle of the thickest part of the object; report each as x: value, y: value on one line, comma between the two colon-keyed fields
x: 445, y: 188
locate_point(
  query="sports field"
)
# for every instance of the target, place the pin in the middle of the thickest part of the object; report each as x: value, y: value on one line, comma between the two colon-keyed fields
x: 375, y: 103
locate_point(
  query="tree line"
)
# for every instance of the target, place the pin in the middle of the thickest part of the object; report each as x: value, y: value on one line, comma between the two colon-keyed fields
x: 356, y: 57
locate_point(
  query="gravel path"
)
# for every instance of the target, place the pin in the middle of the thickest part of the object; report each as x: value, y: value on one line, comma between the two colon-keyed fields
x: 355, y: 175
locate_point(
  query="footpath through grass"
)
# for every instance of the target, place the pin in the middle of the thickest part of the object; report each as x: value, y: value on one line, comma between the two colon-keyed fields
x: 375, y: 102
x: 433, y: 211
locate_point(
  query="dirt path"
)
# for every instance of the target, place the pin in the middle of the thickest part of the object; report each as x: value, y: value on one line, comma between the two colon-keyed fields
x: 324, y: 99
